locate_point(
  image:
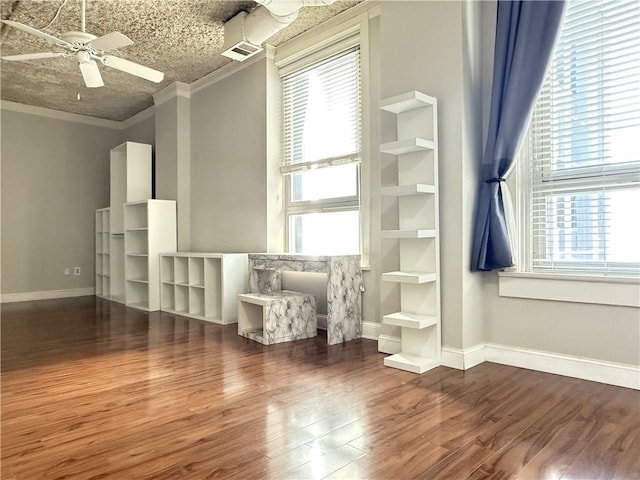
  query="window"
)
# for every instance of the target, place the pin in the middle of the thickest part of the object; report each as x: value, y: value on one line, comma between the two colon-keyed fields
x: 322, y: 152
x: 584, y: 146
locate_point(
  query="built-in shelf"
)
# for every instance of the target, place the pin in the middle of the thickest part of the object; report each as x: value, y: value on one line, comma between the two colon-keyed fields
x: 411, y: 363
x: 403, y: 190
x: 407, y: 102
x: 410, y: 145
x: 424, y: 233
x: 415, y: 233
x: 410, y: 320
x: 409, y: 277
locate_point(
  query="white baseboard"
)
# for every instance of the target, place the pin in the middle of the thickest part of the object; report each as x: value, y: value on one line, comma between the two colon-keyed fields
x: 46, y: 295
x: 463, y: 359
x: 389, y: 344
x: 610, y: 373
x: 370, y: 330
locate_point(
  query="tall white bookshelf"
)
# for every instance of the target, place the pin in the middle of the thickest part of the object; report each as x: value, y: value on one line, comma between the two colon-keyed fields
x: 131, y: 172
x: 417, y: 231
x: 204, y: 285
x: 103, y: 276
x: 149, y: 229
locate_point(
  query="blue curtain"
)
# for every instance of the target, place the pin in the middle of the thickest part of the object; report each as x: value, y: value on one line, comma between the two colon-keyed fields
x: 525, y: 34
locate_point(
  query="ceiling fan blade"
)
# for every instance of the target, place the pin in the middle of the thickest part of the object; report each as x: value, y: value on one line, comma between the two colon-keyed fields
x: 34, y: 56
x: 91, y: 74
x: 111, y: 41
x: 38, y: 33
x: 133, y: 68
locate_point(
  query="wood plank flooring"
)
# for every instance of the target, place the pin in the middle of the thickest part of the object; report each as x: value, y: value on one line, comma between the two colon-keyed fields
x: 93, y: 390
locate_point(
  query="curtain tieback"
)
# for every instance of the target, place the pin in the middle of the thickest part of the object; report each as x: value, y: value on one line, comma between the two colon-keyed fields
x: 495, y: 180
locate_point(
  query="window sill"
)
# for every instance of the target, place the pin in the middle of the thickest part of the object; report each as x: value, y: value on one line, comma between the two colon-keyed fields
x: 620, y: 291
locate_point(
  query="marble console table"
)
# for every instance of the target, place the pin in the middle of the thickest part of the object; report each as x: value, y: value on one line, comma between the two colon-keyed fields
x: 344, y: 295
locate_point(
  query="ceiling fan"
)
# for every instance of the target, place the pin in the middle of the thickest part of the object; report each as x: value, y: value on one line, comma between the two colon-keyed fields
x: 88, y: 49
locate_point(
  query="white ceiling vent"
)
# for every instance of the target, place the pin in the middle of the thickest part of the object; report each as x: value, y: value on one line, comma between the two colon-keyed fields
x: 236, y: 46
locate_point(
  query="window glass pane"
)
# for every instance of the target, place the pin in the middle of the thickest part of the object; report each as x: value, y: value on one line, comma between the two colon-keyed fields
x: 323, y: 183
x: 589, y: 229
x: 584, y: 148
x: 589, y: 108
x: 333, y: 233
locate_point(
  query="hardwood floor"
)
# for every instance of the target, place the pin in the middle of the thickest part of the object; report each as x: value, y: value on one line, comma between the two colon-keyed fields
x: 91, y: 389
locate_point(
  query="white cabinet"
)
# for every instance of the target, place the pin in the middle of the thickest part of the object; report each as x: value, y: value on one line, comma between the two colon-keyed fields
x: 416, y: 232
x: 102, y: 253
x: 203, y: 285
x: 130, y: 179
x: 149, y: 229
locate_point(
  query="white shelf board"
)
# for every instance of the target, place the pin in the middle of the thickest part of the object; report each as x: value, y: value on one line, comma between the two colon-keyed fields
x: 138, y: 280
x: 410, y: 320
x: 409, y: 277
x: 407, y: 101
x: 403, y: 190
x: 196, y: 285
x: 409, y: 145
x: 411, y: 363
x: 423, y: 233
x: 137, y: 255
x: 137, y: 229
x: 168, y: 282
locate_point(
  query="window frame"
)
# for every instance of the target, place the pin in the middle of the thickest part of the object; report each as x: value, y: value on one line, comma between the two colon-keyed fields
x: 347, y: 40
x: 592, y: 287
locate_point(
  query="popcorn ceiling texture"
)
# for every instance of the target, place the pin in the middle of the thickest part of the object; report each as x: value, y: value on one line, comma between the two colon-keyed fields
x: 181, y: 38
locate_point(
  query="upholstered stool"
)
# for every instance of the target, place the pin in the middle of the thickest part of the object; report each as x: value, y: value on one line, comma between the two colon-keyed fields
x: 278, y: 316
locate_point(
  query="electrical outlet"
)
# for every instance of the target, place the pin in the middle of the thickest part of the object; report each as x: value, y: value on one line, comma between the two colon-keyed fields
x: 67, y: 271
x: 76, y: 270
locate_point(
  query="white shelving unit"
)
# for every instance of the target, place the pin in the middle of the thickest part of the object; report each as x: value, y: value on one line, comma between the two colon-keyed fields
x: 131, y: 172
x: 103, y: 276
x: 203, y: 285
x: 149, y: 229
x: 417, y: 231
x: 130, y: 179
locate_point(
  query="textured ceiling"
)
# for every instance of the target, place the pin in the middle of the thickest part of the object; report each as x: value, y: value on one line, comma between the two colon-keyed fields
x: 182, y: 38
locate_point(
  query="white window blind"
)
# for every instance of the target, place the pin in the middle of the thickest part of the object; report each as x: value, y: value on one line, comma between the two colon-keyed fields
x: 584, y: 148
x: 322, y: 113
x: 322, y: 152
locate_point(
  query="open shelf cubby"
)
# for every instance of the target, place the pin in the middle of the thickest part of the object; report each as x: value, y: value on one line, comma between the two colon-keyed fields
x: 203, y: 285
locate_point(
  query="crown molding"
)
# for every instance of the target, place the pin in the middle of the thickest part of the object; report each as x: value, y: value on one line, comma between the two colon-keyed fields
x: 176, y: 89
x: 59, y: 115
x: 229, y: 69
x: 138, y: 117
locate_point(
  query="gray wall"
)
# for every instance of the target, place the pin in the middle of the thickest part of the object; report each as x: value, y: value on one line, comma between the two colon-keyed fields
x: 438, y: 66
x: 143, y: 131
x: 55, y: 174
x: 228, y: 163
x: 601, y: 332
